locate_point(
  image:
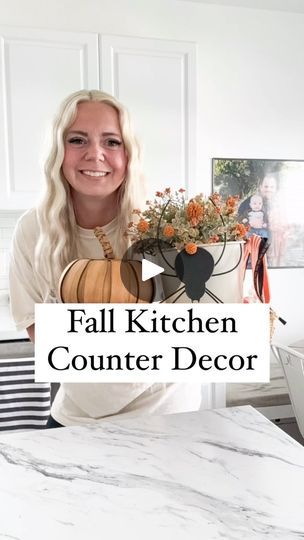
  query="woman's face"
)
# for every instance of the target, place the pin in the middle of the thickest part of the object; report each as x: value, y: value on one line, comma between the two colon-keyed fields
x: 95, y: 160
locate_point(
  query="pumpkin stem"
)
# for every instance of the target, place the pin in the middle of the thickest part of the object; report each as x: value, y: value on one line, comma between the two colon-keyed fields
x: 104, y: 242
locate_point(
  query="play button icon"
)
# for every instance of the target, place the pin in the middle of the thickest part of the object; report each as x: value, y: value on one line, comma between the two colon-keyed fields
x: 149, y: 270
x: 140, y: 255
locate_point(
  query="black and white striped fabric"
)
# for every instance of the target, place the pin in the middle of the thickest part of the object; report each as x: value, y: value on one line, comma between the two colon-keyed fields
x: 24, y: 403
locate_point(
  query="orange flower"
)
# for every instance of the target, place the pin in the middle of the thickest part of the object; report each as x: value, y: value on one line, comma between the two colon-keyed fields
x: 231, y: 201
x: 231, y: 204
x: 159, y: 193
x: 215, y: 197
x: 168, y: 230
x: 143, y: 226
x: 181, y: 190
x: 195, y: 213
x: 191, y: 248
x: 213, y: 239
x: 241, y: 230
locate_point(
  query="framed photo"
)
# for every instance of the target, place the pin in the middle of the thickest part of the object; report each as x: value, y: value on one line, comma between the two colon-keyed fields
x: 271, y: 203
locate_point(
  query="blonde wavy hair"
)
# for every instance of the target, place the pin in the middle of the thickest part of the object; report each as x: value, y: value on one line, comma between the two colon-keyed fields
x: 56, y: 245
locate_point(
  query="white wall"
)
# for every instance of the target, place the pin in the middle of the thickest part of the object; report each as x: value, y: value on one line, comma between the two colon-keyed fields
x: 250, y: 85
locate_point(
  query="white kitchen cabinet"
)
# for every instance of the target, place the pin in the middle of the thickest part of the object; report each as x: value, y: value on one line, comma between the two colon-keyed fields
x: 38, y: 68
x: 156, y: 79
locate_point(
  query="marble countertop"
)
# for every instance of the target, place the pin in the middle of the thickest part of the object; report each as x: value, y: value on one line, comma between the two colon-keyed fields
x: 218, y: 474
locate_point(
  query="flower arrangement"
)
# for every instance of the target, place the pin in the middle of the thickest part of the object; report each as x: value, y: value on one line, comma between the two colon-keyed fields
x: 186, y: 224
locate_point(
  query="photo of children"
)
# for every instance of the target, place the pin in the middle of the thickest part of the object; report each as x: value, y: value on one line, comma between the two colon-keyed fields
x: 268, y: 205
x: 256, y: 217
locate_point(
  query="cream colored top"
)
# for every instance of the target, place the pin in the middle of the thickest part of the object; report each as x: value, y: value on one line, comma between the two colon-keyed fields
x: 77, y: 403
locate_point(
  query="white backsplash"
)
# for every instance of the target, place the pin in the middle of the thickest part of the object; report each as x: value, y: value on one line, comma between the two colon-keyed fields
x: 8, y: 221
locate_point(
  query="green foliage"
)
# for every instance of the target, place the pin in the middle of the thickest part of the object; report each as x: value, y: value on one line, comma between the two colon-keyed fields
x: 241, y: 176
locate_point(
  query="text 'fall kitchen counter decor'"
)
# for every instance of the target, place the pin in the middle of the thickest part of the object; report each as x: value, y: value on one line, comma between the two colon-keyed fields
x: 199, y: 242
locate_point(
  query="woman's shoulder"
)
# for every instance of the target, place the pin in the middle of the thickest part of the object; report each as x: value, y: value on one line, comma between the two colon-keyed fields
x: 27, y: 225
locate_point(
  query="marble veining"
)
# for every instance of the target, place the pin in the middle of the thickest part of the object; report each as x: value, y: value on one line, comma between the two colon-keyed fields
x: 225, y: 474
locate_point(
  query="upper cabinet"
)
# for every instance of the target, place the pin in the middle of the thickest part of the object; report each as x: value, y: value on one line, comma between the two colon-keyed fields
x: 155, y: 79
x: 37, y: 70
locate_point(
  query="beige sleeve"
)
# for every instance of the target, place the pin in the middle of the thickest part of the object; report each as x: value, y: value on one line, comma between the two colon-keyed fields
x: 23, y: 283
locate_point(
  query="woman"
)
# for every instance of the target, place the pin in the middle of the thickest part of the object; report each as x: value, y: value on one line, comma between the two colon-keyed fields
x: 93, y: 179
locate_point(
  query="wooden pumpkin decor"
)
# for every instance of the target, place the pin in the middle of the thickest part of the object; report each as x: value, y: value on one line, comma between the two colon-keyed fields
x: 106, y: 280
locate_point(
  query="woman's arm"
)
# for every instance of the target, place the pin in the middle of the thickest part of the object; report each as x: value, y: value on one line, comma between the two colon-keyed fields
x: 31, y: 332
x: 26, y: 286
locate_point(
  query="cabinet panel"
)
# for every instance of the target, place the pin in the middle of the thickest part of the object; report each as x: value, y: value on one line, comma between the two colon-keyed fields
x: 37, y: 70
x: 156, y: 79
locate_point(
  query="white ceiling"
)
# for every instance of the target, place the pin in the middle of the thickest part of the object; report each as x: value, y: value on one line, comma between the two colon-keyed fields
x: 296, y: 6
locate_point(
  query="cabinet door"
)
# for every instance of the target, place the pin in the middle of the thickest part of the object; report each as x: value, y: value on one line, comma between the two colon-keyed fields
x: 37, y: 70
x: 156, y: 80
